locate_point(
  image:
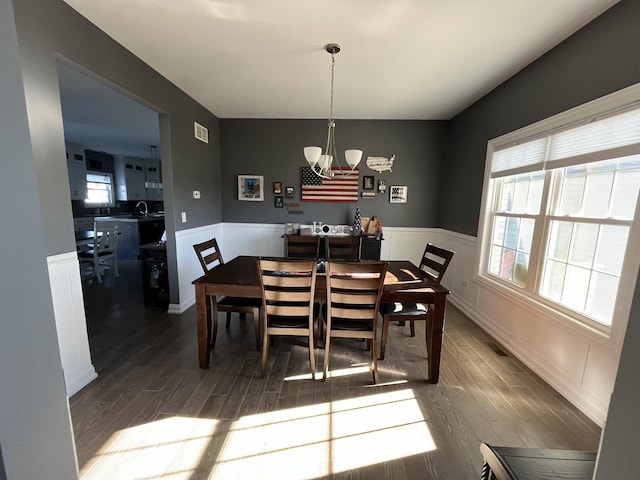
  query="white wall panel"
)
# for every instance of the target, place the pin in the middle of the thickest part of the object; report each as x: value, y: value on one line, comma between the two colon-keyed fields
x: 579, y: 363
x: 71, y: 324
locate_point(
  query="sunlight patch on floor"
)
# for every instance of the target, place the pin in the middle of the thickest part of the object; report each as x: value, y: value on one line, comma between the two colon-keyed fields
x: 170, y: 449
x: 296, y: 443
x: 318, y: 440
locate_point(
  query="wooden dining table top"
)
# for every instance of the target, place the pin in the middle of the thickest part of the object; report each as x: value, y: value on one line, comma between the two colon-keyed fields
x: 404, y: 282
x: 239, y: 277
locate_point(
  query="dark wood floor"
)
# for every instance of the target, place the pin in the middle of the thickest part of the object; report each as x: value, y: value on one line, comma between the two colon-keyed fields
x: 152, y: 413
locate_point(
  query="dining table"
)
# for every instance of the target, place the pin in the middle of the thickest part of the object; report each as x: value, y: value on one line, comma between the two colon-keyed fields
x: 404, y: 282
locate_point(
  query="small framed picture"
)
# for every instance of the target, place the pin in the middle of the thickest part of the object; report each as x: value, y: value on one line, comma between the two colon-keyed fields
x: 367, y: 182
x: 277, y: 188
x: 278, y: 201
x: 251, y: 188
x: 382, y: 186
x: 397, y: 194
x: 288, y: 192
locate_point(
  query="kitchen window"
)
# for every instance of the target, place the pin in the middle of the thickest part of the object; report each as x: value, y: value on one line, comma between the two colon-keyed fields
x: 99, y: 190
x: 560, y: 213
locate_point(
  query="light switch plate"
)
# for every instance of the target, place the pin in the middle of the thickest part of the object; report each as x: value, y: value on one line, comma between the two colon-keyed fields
x: 184, y: 217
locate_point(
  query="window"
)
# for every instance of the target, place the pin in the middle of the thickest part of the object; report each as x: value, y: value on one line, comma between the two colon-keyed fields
x: 99, y: 190
x: 559, y: 214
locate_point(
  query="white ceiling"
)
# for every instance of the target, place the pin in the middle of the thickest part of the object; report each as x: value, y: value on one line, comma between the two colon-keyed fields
x: 400, y: 59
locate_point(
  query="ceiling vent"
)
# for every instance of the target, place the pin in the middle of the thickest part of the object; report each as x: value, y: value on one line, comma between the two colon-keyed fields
x: 202, y: 133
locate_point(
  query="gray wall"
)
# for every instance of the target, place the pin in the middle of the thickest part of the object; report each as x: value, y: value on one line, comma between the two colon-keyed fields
x: 50, y: 31
x: 273, y: 148
x: 35, y: 428
x: 599, y: 59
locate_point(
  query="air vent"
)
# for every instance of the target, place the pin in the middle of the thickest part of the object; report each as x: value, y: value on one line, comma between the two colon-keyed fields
x: 202, y: 133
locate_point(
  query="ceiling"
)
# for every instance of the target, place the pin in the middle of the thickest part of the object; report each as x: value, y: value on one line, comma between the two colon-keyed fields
x: 400, y: 59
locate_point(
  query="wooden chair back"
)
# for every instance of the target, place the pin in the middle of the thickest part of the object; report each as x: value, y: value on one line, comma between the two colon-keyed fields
x: 354, y: 290
x: 434, y: 262
x: 208, y: 254
x: 302, y: 246
x: 344, y: 248
x: 288, y: 292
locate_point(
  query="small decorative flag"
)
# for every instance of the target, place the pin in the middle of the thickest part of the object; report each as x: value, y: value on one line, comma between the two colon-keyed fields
x: 357, y: 223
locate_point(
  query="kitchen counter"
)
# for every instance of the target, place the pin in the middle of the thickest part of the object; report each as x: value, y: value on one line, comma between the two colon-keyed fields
x: 131, y: 218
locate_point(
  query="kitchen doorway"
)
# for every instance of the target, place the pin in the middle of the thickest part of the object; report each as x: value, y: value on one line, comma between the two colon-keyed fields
x: 106, y: 132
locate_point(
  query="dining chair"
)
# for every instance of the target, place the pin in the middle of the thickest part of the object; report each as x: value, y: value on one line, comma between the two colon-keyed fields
x: 433, y: 265
x: 301, y: 246
x: 288, y: 308
x: 210, y: 257
x: 343, y: 248
x: 103, y: 251
x: 354, y: 290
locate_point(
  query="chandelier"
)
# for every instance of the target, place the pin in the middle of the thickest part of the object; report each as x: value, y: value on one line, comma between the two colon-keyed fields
x: 322, y: 163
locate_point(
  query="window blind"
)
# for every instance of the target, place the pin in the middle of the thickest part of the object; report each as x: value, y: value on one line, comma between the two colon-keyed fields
x: 618, y: 134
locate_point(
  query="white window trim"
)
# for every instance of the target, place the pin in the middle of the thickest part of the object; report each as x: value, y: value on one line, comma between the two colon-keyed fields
x: 610, y: 337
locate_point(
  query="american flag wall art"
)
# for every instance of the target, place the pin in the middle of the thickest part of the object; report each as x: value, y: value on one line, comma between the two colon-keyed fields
x: 341, y: 188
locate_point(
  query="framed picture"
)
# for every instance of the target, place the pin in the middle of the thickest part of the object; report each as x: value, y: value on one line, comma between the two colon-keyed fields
x: 277, y: 188
x: 397, y: 194
x: 288, y: 192
x: 251, y: 188
x: 278, y: 201
x: 382, y: 186
x: 367, y: 182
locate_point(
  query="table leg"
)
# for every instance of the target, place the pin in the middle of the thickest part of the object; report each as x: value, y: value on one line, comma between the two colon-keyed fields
x: 202, y: 322
x: 434, y: 328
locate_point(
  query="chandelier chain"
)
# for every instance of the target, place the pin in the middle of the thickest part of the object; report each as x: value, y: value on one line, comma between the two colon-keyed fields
x: 333, y: 66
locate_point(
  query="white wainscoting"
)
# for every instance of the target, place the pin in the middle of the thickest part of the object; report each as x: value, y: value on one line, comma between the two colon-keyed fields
x: 577, y: 363
x: 71, y: 324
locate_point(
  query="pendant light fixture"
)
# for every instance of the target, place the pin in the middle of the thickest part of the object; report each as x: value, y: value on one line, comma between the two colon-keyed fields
x: 321, y: 163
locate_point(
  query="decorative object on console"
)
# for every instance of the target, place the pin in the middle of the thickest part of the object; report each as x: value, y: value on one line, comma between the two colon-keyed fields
x: 398, y: 194
x: 322, y: 164
x: 251, y: 188
x: 380, y: 164
x: 357, y: 223
x: 337, y: 189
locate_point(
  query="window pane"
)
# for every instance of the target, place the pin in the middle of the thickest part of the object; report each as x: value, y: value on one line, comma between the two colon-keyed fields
x: 612, y: 245
x: 521, y: 269
x: 583, y: 244
x: 559, y: 240
x: 597, y: 193
x: 511, y: 233
x: 521, y: 193
x: 625, y: 193
x: 508, y: 260
x: 499, y: 227
x: 526, y: 234
x: 553, y: 280
x: 576, y: 284
x: 571, y: 193
x: 495, y: 260
x: 602, y: 297
x: 535, y: 193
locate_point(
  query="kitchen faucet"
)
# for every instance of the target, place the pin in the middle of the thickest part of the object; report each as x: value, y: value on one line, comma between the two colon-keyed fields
x: 145, y: 209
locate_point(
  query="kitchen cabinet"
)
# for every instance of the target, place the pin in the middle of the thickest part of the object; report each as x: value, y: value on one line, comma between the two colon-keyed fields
x: 130, y: 178
x: 153, y: 179
x: 77, y: 171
